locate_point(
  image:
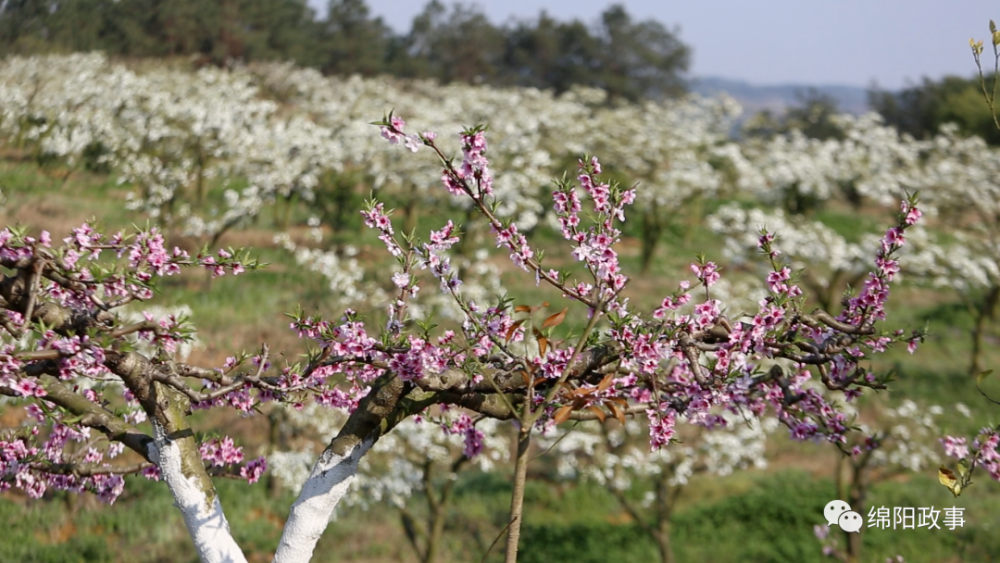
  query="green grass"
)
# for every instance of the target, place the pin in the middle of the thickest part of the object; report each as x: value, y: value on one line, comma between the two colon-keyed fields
x: 770, y: 521
x: 850, y: 224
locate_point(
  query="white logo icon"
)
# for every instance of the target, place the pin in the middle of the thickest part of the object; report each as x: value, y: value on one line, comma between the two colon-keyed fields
x: 850, y: 521
x: 833, y: 510
x: 839, y: 513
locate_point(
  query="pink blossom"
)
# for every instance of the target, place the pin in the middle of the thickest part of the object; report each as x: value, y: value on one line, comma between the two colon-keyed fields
x: 394, y: 131
x: 221, y: 452
x: 254, y: 470
x: 955, y: 447
x: 151, y: 473
x: 401, y: 279
x: 473, y: 436
x: 661, y: 427
x: 912, y: 214
x: 707, y: 273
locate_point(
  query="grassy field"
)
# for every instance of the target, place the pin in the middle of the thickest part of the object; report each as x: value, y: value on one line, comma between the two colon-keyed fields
x: 752, y: 516
x: 759, y: 516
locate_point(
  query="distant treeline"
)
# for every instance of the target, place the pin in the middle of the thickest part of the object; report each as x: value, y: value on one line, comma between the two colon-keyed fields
x: 628, y: 58
x: 918, y: 110
x: 922, y: 109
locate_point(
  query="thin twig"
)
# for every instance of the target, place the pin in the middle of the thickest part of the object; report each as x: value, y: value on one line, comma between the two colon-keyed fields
x: 500, y: 535
x: 29, y: 307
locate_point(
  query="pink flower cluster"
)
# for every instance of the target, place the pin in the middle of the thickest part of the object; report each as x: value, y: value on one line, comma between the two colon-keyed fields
x: 377, y: 218
x: 594, y: 246
x: 421, y: 358
x: 393, y: 132
x: 26, y: 467
x: 473, y: 436
x: 221, y: 452
x: 520, y: 251
x: 955, y: 447
x: 254, y: 469
x: 674, y: 301
x: 870, y: 303
x: 475, y: 168
x: 984, y: 451
x: 661, y: 426
x: 707, y: 273
x: 41, y: 455
x: 777, y: 282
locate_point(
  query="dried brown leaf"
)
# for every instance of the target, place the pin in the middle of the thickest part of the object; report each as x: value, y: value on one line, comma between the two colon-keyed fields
x: 597, y: 412
x: 556, y: 319
x: 510, y: 331
x: 605, y: 383
x: 562, y: 414
x: 617, y: 412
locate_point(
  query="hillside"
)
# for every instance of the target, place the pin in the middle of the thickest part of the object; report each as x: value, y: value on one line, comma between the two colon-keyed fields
x: 776, y: 98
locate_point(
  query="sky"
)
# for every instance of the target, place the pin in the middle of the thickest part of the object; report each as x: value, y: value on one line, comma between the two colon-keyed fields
x: 891, y: 43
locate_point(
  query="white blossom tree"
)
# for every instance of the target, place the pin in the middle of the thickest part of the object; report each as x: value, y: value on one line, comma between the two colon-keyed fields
x: 619, y: 459
x: 901, y: 439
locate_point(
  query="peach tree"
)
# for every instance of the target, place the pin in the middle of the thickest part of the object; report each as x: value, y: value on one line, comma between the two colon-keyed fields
x: 89, y: 391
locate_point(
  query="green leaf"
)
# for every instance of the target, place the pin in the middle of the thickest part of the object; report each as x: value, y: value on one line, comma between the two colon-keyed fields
x: 963, y: 470
x: 993, y: 27
x: 982, y: 375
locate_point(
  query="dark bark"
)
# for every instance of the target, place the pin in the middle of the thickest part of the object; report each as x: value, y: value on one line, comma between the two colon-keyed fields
x: 652, y: 230
x: 983, y: 314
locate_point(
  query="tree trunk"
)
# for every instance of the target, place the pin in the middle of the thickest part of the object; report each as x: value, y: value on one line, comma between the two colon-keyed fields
x: 982, y: 315
x: 435, y: 513
x: 199, y: 179
x: 329, y: 481
x: 285, y: 215
x: 856, y: 499
x: 196, y: 498
x: 385, y: 406
x: 977, y: 343
x: 838, y: 478
x: 174, y: 450
x: 343, y: 187
x: 517, y: 497
x: 412, y: 533
x: 665, y: 498
x: 434, y: 537
x: 663, y: 544
x: 652, y: 229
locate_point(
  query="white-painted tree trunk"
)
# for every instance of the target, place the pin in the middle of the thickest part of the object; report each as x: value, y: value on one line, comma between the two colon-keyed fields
x: 203, y: 516
x: 329, y: 481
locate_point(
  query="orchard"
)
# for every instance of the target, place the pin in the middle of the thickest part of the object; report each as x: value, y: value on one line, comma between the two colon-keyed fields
x: 484, y: 285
